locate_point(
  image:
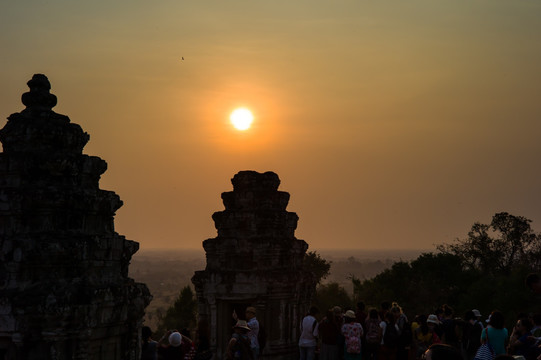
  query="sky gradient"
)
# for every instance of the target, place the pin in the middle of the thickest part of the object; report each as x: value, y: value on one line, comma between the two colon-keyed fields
x: 393, y: 124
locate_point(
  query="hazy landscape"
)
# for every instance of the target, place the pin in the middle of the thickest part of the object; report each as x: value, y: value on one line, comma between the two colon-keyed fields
x: 166, y: 272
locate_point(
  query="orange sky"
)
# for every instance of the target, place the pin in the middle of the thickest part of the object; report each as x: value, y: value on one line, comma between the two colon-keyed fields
x: 393, y: 124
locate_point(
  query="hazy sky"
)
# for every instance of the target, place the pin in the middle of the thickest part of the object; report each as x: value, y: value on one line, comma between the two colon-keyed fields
x: 393, y: 124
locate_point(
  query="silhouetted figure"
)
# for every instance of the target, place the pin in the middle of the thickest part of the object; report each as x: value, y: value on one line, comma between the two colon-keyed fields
x: 149, y: 347
x: 309, y: 332
x: 239, y: 347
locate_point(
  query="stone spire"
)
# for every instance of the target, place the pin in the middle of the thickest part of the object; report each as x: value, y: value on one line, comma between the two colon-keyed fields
x: 255, y: 261
x: 64, y: 286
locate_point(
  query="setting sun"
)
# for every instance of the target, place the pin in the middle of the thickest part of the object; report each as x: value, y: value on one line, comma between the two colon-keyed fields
x: 241, y: 118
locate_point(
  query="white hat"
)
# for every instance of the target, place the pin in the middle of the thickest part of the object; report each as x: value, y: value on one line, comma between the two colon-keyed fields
x: 350, y: 314
x: 242, y: 325
x: 433, y: 319
x: 476, y: 312
x: 175, y: 339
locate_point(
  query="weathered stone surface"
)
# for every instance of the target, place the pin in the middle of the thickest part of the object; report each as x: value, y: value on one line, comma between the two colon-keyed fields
x: 64, y: 286
x: 255, y: 261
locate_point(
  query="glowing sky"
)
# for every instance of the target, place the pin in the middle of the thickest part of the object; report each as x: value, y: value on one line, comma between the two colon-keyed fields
x: 393, y: 124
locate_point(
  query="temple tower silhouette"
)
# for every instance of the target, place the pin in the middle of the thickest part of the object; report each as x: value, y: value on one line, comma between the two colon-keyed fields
x: 64, y: 286
x: 255, y: 261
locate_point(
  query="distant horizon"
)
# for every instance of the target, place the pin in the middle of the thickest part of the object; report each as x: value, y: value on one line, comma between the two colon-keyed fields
x: 330, y: 254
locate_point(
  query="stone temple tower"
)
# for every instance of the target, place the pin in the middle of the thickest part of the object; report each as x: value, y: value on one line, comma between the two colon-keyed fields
x: 255, y: 261
x: 64, y: 286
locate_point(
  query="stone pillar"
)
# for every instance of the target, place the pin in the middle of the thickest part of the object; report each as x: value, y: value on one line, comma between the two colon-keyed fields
x: 255, y: 261
x: 64, y: 286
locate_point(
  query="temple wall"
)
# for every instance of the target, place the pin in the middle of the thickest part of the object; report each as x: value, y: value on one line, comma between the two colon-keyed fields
x: 64, y: 286
x: 255, y: 261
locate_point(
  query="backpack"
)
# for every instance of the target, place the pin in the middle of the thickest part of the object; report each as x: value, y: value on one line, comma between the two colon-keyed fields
x: 373, y: 331
x: 390, y: 337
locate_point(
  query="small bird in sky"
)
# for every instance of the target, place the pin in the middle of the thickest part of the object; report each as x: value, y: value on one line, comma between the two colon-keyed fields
x: 183, y: 58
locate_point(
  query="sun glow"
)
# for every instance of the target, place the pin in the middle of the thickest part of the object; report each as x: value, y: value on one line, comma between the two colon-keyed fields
x: 241, y: 119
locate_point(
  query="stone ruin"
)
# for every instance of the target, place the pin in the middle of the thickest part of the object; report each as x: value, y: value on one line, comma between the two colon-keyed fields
x: 255, y: 261
x: 64, y: 286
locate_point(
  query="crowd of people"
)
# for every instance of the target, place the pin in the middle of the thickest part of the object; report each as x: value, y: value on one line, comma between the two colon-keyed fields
x: 177, y: 345
x: 387, y: 334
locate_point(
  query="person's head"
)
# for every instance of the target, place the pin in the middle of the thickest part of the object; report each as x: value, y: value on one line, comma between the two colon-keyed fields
x: 146, y: 333
x: 523, y: 325
x: 250, y: 312
x: 313, y: 311
x: 447, y: 311
x: 396, y: 310
x: 349, y: 316
x: 389, y: 318
x: 442, y: 352
x: 175, y: 339
x: 496, y: 319
x: 337, y: 311
x: 432, y: 320
x: 361, y: 306
x: 533, y: 282
x: 373, y: 314
x: 385, y: 306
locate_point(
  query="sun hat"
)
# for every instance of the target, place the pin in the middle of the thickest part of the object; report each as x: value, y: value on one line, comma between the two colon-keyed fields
x: 242, y: 325
x: 350, y: 314
x: 433, y: 319
x: 175, y: 339
x: 337, y: 310
x: 476, y: 312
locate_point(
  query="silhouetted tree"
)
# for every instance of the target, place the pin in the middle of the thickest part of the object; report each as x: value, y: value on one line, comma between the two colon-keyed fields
x: 314, y: 263
x: 332, y: 294
x: 182, y: 314
x: 497, y: 248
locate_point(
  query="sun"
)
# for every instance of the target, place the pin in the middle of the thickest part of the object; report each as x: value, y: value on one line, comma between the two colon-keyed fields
x: 241, y: 119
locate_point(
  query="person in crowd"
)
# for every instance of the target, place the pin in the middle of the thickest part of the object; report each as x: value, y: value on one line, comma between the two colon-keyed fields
x: 450, y: 328
x: 309, y: 332
x: 352, y: 332
x: 149, y: 347
x: 495, y: 333
x: 360, y: 313
x: 373, y: 335
x: 385, y: 307
x: 239, y: 346
x: 521, y: 341
x: 253, y: 334
x: 425, y: 335
x: 390, y: 338
x: 337, y: 310
x: 329, y: 332
x: 471, y: 334
x: 442, y: 352
x: 404, y: 332
x: 253, y: 324
x: 177, y: 346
